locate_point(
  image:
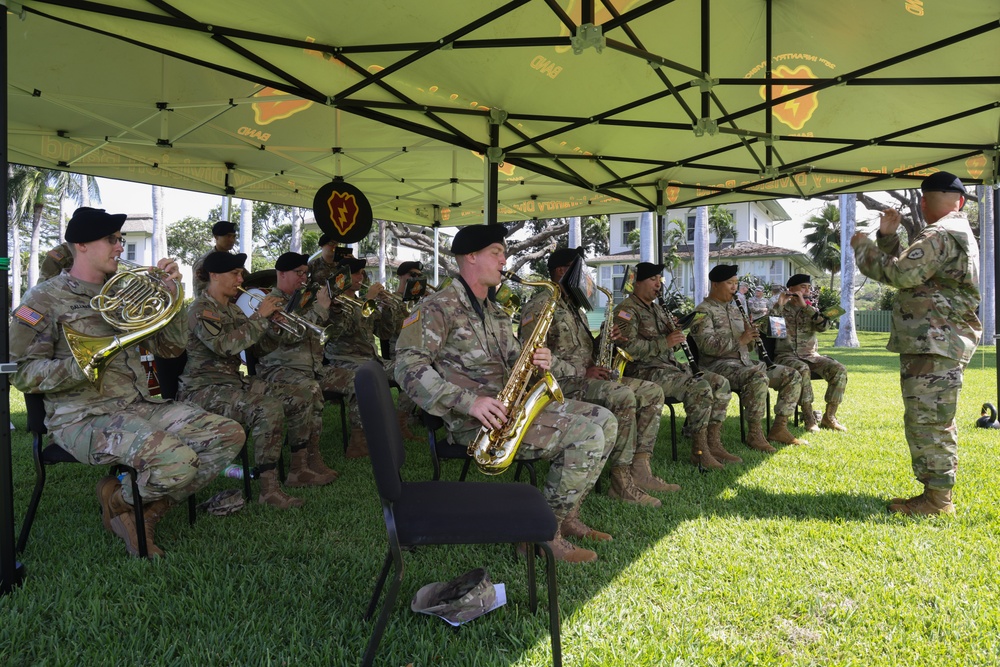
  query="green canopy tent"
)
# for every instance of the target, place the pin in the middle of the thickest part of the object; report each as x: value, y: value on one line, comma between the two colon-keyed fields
x: 452, y: 112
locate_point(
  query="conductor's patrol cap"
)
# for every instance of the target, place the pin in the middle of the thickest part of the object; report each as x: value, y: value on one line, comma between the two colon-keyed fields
x: 223, y: 228
x: 942, y: 181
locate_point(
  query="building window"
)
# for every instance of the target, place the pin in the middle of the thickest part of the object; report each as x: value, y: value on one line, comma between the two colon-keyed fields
x: 691, y: 221
x: 130, y: 252
x: 628, y: 226
x: 617, y: 277
x: 756, y: 238
x: 776, y: 272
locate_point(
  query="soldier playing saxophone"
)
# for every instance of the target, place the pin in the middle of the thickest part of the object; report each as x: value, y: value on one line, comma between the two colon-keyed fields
x: 454, y: 355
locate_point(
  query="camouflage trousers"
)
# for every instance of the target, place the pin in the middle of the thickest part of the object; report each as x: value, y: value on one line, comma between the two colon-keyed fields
x: 175, y: 448
x: 264, y: 409
x: 577, y: 438
x: 931, y: 385
x: 342, y: 380
x: 636, y: 404
x: 831, y: 370
x: 751, y: 383
x: 331, y: 378
x: 705, y: 399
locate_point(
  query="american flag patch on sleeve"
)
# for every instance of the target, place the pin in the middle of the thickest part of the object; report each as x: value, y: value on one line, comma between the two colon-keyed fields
x: 624, y: 314
x: 28, y: 315
x: 414, y: 316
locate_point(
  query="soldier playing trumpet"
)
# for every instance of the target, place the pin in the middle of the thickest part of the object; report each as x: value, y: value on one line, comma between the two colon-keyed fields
x: 175, y: 448
x: 636, y: 404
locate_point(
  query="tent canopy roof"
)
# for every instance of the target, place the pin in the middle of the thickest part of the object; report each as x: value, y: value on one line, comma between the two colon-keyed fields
x: 588, y: 107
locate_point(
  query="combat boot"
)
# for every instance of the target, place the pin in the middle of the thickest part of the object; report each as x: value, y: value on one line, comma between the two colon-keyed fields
x: 317, y: 465
x: 357, y: 447
x: 700, y: 453
x: 272, y: 494
x: 109, y: 497
x: 573, y: 527
x: 151, y: 515
x: 756, y: 439
x: 714, y: 440
x: 829, y: 420
x: 779, y: 432
x: 643, y: 476
x: 809, y: 418
x: 302, y: 474
x: 932, y: 501
x: 403, y: 418
x: 564, y: 550
x: 623, y: 488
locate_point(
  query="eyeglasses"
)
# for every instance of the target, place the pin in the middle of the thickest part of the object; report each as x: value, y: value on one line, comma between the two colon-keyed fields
x: 301, y: 274
x: 415, y: 274
x: 115, y: 239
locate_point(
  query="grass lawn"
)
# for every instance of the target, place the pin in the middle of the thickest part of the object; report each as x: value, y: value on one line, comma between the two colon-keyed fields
x: 787, y: 559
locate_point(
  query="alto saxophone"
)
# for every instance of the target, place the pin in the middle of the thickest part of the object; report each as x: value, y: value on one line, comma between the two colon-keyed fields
x: 494, y: 449
x: 609, y: 355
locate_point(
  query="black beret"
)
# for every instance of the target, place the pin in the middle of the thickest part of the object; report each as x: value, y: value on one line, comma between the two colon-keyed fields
x: 942, y: 181
x: 327, y: 237
x: 223, y: 227
x: 90, y: 224
x: 342, y: 252
x: 645, y: 270
x: 476, y: 237
x: 798, y: 279
x: 406, y: 267
x: 355, y: 264
x: 722, y: 272
x: 291, y: 261
x: 564, y: 257
x: 223, y: 262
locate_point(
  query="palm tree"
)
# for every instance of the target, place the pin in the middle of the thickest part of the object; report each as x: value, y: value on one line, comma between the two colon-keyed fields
x: 722, y: 224
x: 823, y: 239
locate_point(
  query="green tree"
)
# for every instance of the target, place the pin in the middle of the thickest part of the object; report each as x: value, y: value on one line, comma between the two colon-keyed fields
x: 187, y: 239
x: 823, y: 239
x: 33, y: 197
x: 721, y: 223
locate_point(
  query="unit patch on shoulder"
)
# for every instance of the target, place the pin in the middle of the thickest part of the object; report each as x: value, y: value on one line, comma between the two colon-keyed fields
x: 916, y: 253
x: 56, y: 254
x: 527, y: 320
x: 210, y: 315
x: 413, y: 317
x: 624, y: 314
x: 28, y: 315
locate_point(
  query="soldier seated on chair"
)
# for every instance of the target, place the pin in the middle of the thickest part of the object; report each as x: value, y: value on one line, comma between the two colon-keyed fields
x: 455, y: 353
x: 175, y: 448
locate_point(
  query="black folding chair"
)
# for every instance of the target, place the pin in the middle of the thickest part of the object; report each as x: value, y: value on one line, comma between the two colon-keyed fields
x: 54, y: 454
x: 436, y: 512
x: 442, y: 447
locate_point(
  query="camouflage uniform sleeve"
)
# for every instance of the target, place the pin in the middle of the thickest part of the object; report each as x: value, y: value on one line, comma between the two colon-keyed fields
x: 33, y: 349
x: 922, y: 259
x: 170, y: 341
x: 529, y: 321
x: 390, y: 318
x: 225, y: 341
x: 421, y: 343
x: 713, y: 338
x: 627, y: 318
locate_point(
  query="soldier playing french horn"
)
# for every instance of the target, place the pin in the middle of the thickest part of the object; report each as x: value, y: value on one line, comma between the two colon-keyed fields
x: 175, y: 448
x: 636, y: 404
x: 454, y: 356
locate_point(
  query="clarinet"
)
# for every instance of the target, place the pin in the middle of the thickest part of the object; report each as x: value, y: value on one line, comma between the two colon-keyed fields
x: 672, y: 321
x: 761, y: 350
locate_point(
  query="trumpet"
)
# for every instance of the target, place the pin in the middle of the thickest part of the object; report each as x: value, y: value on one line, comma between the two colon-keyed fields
x: 296, y: 325
x: 367, y: 307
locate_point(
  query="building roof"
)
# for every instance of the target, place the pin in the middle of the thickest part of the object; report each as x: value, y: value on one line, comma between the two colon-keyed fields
x: 138, y: 222
x: 741, y: 250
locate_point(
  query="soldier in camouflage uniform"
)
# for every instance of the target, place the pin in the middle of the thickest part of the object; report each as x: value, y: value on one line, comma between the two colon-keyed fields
x: 758, y: 304
x: 289, y: 359
x: 650, y: 339
x: 799, y: 350
x: 175, y: 448
x: 353, y: 340
x: 935, y: 329
x: 57, y: 259
x: 454, y: 356
x: 224, y: 233
x: 722, y: 338
x: 636, y: 404
x: 217, y: 332
x: 405, y: 408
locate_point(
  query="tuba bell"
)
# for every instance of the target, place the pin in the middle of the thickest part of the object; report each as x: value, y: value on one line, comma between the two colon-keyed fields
x: 136, y: 302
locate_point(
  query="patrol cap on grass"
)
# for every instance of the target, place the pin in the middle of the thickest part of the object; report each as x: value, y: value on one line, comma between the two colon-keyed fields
x: 223, y: 227
x: 90, y: 224
x: 290, y: 261
x: 460, y: 600
x: 798, y: 279
x: 223, y: 262
x: 722, y: 272
x: 942, y: 181
x: 564, y: 257
x: 476, y: 237
x: 644, y: 270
